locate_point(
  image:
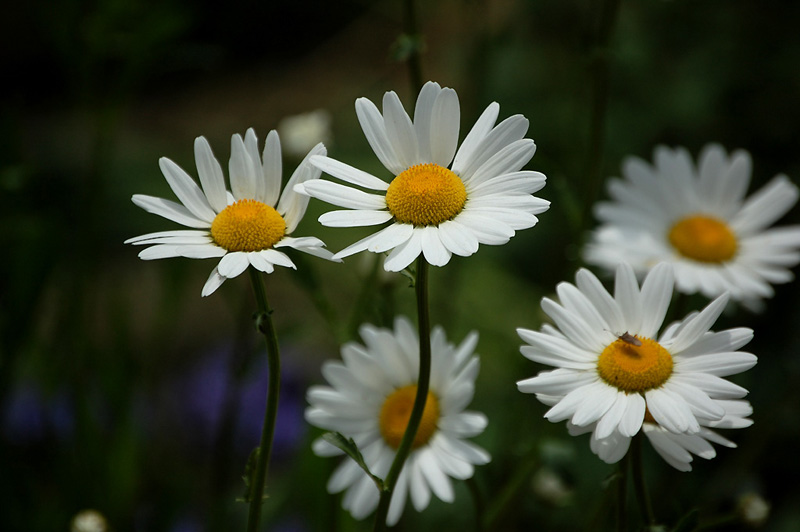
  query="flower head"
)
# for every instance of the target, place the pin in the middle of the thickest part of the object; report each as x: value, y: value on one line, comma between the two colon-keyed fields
x: 698, y: 219
x: 612, y: 367
x: 370, y: 398
x: 434, y: 207
x: 244, y: 227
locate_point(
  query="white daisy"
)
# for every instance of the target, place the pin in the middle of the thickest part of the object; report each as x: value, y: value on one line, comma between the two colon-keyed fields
x: 612, y: 366
x: 698, y: 219
x: 435, y: 208
x: 370, y: 398
x: 675, y: 449
x: 243, y: 228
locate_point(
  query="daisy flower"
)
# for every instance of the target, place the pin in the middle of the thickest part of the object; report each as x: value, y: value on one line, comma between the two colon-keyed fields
x: 434, y: 207
x: 676, y: 449
x: 612, y: 367
x: 242, y: 228
x: 370, y: 398
x: 699, y: 220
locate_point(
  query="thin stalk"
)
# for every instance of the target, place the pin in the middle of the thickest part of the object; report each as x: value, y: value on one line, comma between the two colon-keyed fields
x: 642, y: 496
x: 414, y: 58
x: 599, y: 67
x: 423, y: 383
x: 622, y: 495
x: 265, y: 327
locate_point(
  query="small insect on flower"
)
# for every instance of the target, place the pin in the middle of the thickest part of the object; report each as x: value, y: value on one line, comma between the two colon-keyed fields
x: 628, y: 338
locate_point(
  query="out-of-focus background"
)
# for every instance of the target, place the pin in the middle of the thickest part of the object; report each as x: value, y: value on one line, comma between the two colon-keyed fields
x: 124, y: 392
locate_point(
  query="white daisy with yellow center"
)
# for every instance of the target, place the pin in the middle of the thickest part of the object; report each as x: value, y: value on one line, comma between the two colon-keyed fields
x: 245, y: 227
x: 678, y: 450
x: 698, y: 219
x: 370, y: 398
x: 612, y: 366
x: 434, y: 207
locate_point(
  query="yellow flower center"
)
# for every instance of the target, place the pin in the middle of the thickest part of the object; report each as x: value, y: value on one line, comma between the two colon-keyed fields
x: 635, y: 368
x: 703, y: 239
x: 396, y: 411
x: 248, y: 225
x: 426, y: 194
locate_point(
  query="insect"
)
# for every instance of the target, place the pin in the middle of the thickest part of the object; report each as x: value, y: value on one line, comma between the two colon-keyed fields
x: 629, y: 339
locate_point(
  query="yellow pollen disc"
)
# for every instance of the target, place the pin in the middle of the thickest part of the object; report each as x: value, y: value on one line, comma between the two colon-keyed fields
x: 396, y: 411
x: 633, y: 368
x: 248, y: 225
x: 426, y: 194
x: 703, y: 239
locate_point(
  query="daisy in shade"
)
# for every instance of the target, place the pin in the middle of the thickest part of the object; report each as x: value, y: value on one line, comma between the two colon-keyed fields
x: 434, y: 207
x: 370, y: 398
x: 698, y: 219
x: 244, y: 227
x: 678, y: 450
x: 612, y: 366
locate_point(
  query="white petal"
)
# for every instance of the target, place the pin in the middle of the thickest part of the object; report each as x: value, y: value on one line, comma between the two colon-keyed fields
x: 355, y: 218
x: 767, y: 205
x: 626, y: 293
x: 210, y: 172
x: 671, y: 411
x: 214, y: 281
x: 272, y: 165
x: 186, y: 190
x: 404, y: 254
x: 242, y: 170
x: 457, y: 238
x: 475, y: 137
x: 169, y: 237
x: 698, y: 326
x: 292, y: 205
x: 432, y: 248
x: 170, y: 210
x: 400, y: 130
x: 509, y: 159
x: 656, y: 296
x: 343, y: 196
x: 375, y: 130
x: 445, y: 124
x: 232, y: 264
x: 509, y: 130
x: 423, y: 112
x: 391, y: 237
x: 345, y: 172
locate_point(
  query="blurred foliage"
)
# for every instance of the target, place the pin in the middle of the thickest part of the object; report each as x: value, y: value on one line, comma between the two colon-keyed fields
x: 124, y: 391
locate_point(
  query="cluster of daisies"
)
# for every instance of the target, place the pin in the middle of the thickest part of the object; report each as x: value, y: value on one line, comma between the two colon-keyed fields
x: 618, y: 368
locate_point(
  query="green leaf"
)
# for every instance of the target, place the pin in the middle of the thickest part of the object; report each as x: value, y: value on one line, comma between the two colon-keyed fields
x: 688, y: 522
x: 249, y: 473
x: 407, y: 45
x: 349, y: 447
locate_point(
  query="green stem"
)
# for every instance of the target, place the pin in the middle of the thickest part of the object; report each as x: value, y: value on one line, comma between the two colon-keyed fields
x: 599, y: 66
x: 414, y: 57
x: 622, y: 495
x: 423, y: 383
x: 265, y: 326
x: 642, y: 496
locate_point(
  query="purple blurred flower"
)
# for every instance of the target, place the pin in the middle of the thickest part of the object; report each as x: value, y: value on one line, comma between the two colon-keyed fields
x: 29, y: 416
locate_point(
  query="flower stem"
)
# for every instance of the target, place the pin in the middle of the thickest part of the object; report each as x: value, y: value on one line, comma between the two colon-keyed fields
x: 599, y: 82
x: 423, y: 383
x: 642, y: 496
x: 415, y: 56
x: 265, y: 327
x: 622, y: 494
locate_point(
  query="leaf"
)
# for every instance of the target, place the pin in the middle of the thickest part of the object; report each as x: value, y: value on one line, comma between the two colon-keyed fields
x: 688, y: 522
x: 248, y: 476
x: 349, y: 447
